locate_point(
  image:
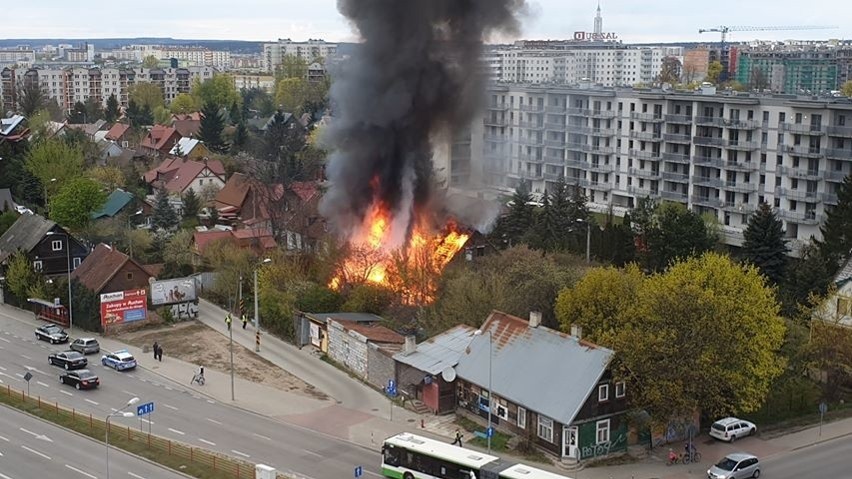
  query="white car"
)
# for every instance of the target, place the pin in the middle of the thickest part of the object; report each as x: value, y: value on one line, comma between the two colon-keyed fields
x: 730, y: 429
x: 120, y: 360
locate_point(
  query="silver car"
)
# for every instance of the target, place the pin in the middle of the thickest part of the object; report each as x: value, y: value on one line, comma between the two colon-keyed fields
x: 738, y: 465
x: 86, y: 346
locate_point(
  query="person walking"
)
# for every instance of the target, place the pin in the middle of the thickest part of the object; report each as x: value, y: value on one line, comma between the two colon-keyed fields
x: 156, y: 349
x: 160, y: 353
x: 228, y: 321
x: 244, y: 319
x: 458, y: 439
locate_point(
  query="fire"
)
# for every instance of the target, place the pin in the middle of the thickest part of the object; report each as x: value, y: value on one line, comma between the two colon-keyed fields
x: 411, y: 268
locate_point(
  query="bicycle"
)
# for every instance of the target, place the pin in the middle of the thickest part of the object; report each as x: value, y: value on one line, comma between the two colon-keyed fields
x: 197, y: 378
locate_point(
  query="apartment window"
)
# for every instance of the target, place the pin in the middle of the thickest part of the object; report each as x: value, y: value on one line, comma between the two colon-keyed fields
x: 603, y: 389
x: 781, y: 117
x: 522, y: 417
x: 37, y: 265
x: 620, y: 388
x: 56, y: 245
x: 545, y: 428
x: 602, y: 431
x: 766, y: 117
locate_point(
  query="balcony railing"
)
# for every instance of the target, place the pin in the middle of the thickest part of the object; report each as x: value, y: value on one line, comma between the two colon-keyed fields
x: 806, y: 217
x: 677, y: 177
x: 707, y: 201
x: 597, y: 131
x: 709, y: 161
x: 554, y: 126
x: 532, y: 108
x: 532, y: 125
x: 554, y: 159
x: 742, y: 124
x: 643, y: 173
x: 553, y: 176
x: 802, y: 128
x: 812, y: 196
x: 646, y: 135
x: 829, y: 198
x: 683, y: 119
x: 635, y: 190
x: 498, y: 106
x: 835, y: 176
x: 497, y: 122
x: 531, y: 158
x: 645, y: 155
x: 740, y: 166
x: 741, y: 187
x: 709, y: 181
x: 799, y: 172
x: 708, y: 140
x: 838, y: 153
x: 674, y: 195
x: 532, y: 141
x: 676, y: 158
x: 741, y: 208
x: 742, y: 145
x: 496, y: 138
x: 709, y: 121
x: 600, y: 167
x: 807, y: 151
x: 840, y: 131
x: 602, y: 113
x: 581, y: 165
x: 599, y: 185
x: 646, y: 116
x: 554, y: 109
x: 677, y: 138
x: 554, y: 143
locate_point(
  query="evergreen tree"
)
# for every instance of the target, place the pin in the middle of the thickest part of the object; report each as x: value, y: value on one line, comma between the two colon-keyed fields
x: 94, y: 110
x: 191, y: 204
x: 240, y: 138
x: 235, y: 113
x: 139, y: 116
x: 77, y: 115
x: 211, y: 128
x: 517, y: 224
x: 764, y: 244
x: 112, y: 111
x: 164, y: 216
x: 837, y: 229
x: 674, y: 233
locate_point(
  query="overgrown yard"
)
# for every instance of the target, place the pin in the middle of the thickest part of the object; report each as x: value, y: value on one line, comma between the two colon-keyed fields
x: 196, y: 343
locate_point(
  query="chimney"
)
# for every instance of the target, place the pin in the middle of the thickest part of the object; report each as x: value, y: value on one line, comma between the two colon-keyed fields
x: 577, y: 331
x: 535, y: 319
x: 410, y: 345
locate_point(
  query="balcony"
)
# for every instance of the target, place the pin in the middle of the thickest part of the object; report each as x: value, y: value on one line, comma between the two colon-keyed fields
x: 578, y: 111
x: 709, y: 181
x: 498, y: 106
x: 646, y: 135
x: 676, y: 177
x: 681, y: 119
x: 531, y: 158
x: 531, y: 125
x: 602, y: 113
x: 580, y: 165
x: 642, y: 192
x: 741, y: 208
x: 709, y: 121
x: 829, y: 198
x: 803, y: 195
x: 740, y: 187
x: 600, y: 167
x: 742, y: 145
x: 802, y: 129
x: 496, y: 138
x: 742, y: 124
x: 805, y: 218
x: 531, y: 141
x: 677, y: 138
x: 707, y: 201
x: 840, y: 131
x: 806, y: 151
x: 676, y: 158
x: 531, y: 175
x: 709, y: 161
x: 554, y: 143
x: 645, y: 155
x: 596, y: 131
x: 553, y: 176
x: 835, y: 176
x: 799, y: 173
x: 559, y: 160
x: 532, y: 108
x: 674, y: 195
x: 642, y: 173
x: 646, y: 117
x: 740, y: 166
x: 708, y: 140
x: 838, y: 153
x: 555, y: 109
x: 501, y: 122
x: 554, y: 126
x: 599, y: 185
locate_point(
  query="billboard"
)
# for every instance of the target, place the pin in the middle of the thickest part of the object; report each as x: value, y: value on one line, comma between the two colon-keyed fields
x: 123, y: 307
x: 171, y: 291
x: 597, y: 37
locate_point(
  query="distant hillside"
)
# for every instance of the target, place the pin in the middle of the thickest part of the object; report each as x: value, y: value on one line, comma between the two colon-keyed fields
x: 233, y: 46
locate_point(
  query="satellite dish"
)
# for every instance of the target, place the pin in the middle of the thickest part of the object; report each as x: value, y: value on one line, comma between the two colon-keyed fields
x: 449, y: 374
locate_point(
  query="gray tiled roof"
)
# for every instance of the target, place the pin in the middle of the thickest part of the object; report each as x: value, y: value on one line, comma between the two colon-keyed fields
x: 845, y: 273
x: 439, y: 352
x: 543, y: 370
x: 24, y: 234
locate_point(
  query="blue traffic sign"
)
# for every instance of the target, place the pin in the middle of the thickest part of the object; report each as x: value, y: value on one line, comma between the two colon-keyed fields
x: 391, y: 389
x: 489, y: 432
x: 358, y: 471
x: 145, y: 409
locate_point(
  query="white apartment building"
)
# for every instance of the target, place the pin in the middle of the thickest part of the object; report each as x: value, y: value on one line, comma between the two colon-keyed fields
x: 720, y: 154
x: 197, y: 56
x: 247, y: 82
x: 23, y: 57
x: 273, y: 53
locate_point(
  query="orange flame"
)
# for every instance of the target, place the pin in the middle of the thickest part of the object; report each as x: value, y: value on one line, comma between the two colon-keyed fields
x: 411, y: 270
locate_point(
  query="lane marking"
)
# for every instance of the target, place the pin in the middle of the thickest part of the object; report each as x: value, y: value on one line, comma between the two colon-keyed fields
x: 26, y: 357
x: 177, y: 432
x: 36, y: 452
x: 19, y: 375
x: 125, y: 391
x: 4, y: 476
x: 91, y: 402
x: 145, y: 420
x: 211, y: 401
x: 42, y: 384
x: 240, y: 453
x: 81, y: 472
x: 3, y: 439
x: 5, y: 340
x: 214, y: 421
x: 262, y: 437
x: 205, y: 441
x: 66, y: 393
x: 170, y: 407
x: 168, y: 388
x: 373, y: 473
x: 312, y: 453
x: 134, y: 475
x: 2, y: 368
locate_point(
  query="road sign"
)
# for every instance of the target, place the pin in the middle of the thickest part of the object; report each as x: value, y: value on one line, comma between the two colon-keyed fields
x: 391, y: 389
x: 145, y: 409
x: 28, y: 376
x: 359, y: 471
x: 489, y: 432
x: 823, y: 407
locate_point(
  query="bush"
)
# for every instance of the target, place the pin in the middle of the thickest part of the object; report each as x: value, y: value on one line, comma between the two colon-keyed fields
x: 318, y: 299
x: 276, y: 313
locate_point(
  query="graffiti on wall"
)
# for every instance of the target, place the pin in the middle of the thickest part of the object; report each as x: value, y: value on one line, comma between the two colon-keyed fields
x: 617, y: 442
x: 676, y: 430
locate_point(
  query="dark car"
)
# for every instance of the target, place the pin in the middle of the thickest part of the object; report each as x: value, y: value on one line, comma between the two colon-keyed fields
x: 86, y: 345
x: 68, y: 360
x: 52, y: 333
x: 80, y: 379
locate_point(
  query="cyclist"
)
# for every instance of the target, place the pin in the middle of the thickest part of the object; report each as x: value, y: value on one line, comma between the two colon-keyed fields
x: 199, y: 376
x: 672, y: 456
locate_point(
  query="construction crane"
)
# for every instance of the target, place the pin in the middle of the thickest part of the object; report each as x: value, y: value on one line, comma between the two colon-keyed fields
x: 723, y: 58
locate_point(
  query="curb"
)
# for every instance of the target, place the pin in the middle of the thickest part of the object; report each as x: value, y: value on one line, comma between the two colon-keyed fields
x: 821, y: 441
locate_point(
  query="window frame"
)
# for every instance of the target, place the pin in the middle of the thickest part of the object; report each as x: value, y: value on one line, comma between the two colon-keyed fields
x: 53, y: 244
x: 623, y: 387
x: 603, y: 392
x: 546, y: 423
x: 602, y: 426
x: 38, y: 265
x: 522, y: 413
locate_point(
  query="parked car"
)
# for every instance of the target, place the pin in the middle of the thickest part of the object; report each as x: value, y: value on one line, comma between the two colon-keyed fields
x: 120, y: 360
x: 730, y: 429
x: 86, y: 345
x: 68, y: 360
x: 80, y: 379
x: 52, y: 333
x: 739, y: 465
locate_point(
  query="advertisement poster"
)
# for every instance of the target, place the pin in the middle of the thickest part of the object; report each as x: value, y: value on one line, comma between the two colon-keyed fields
x: 171, y: 291
x: 123, y: 307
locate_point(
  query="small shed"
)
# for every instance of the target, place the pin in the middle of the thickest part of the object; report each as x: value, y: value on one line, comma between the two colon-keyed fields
x: 314, y: 326
x: 349, y: 343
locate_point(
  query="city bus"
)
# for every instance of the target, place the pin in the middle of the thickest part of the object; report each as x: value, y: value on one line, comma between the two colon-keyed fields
x: 408, y: 456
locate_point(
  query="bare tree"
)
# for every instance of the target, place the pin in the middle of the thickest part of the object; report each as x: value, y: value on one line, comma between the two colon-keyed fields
x: 758, y: 80
x: 670, y: 71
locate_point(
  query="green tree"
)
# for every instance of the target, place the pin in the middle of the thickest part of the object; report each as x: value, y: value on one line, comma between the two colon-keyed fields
x: 292, y: 66
x: 674, y: 233
x: 77, y: 115
x: 178, y: 250
x: 837, y: 229
x: 94, y: 110
x: 146, y: 95
x: 31, y: 98
x: 846, y: 89
x: 764, y: 245
x: 256, y: 102
x: 54, y: 162
x: 292, y: 93
x: 235, y: 113
x: 670, y: 71
x: 7, y: 219
x: 368, y: 298
x: 658, y: 326
x: 162, y: 115
x: 185, y: 103
x: 139, y: 116
x: 138, y: 242
x: 113, y: 109
x: 75, y: 201
x: 191, y: 204
x: 22, y: 280
x: 714, y: 72
x: 241, y: 137
x: 164, y: 217
x: 150, y: 62
x: 514, y: 228
x: 219, y: 90
x: 211, y: 128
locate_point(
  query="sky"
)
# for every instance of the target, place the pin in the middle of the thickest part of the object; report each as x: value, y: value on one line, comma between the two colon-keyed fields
x: 634, y: 21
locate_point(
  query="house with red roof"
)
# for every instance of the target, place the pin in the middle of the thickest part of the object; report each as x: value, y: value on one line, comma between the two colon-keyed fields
x: 107, y: 270
x: 187, y: 124
x: 258, y: 241
x: 159, y: 140
x: 119, y: 134
x: 177, y: 175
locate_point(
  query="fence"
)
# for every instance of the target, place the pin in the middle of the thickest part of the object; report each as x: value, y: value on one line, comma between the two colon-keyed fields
x: 132, y: 440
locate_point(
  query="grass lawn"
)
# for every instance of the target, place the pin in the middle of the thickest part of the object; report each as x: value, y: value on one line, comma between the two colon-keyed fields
x: 499, y: 442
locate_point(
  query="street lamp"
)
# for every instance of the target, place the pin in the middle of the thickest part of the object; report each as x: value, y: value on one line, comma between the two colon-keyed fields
x: 488, y: 432
x: 256, y: 313
x: 68, y: 255
x: 120, y: 413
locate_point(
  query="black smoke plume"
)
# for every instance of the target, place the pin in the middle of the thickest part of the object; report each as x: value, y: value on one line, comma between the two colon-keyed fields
x: 416, y: 72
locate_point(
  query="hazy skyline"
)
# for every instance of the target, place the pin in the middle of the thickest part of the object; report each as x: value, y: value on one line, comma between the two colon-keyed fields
x: 268, y: 20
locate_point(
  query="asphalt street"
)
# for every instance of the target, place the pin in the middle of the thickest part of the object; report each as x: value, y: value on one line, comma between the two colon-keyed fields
x: 180, y: 413
x: 30, y: 447
x: 830, y: 459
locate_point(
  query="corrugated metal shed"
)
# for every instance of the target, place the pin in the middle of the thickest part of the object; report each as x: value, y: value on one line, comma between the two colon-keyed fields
x: 543, y: 370
x: 439, y: 352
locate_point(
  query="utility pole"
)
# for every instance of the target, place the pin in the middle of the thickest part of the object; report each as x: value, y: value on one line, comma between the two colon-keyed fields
x: 256, y: 316
x: 231, y: 337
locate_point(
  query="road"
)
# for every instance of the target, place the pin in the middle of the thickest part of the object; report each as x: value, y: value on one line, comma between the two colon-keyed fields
x: 827, y: 460
x: 30, y: 447
x: 180, y: 413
